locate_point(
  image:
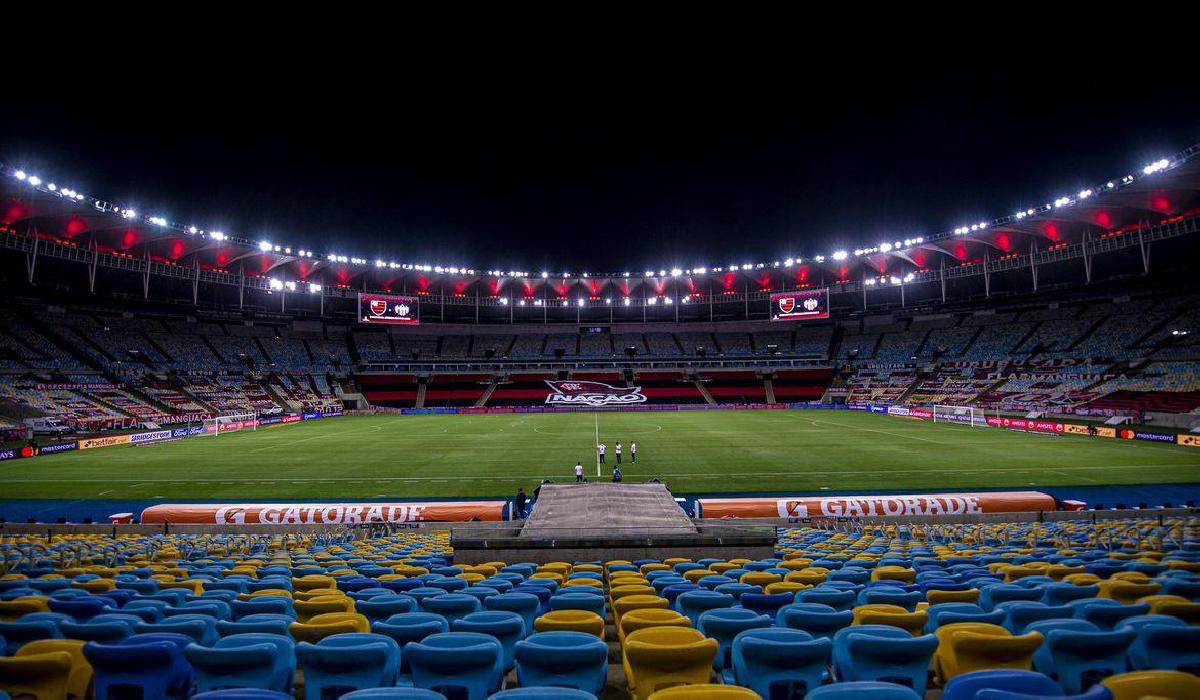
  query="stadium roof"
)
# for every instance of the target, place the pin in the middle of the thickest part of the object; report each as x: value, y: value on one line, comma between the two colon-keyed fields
x: 1156, y: 194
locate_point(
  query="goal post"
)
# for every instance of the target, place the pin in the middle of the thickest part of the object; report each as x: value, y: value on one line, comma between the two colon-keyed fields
x: 962, y: 415
x: 230, y: 423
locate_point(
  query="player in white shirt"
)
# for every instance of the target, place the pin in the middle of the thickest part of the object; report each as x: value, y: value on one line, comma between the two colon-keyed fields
x: 578, y: 472
x: 618, y: 453
x: 633, y: 452
x: 602, y: 448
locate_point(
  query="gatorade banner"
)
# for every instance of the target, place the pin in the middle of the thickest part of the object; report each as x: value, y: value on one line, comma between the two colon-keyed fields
x: 321, y: 513
x: 1189, y: 440
x: 877, y: 506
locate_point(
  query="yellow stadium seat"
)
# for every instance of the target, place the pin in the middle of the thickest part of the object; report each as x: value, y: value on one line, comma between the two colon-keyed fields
x: 558, y: 567
x: 672, y: 561
x: 41, y: 676
x: 893, y: 573
x: 79, y: 681
x: 636, y: 620
x: 317, y: 593
x: 96, y: 585
x: 328, y: 624
x: 586, y: 582
x: 1131, y: 576
x: 12, y: 610
x: 810, y: 576
x: 1059, y: 571
x: 570, y: 621
x: 618, y: 592
x: 1192, y: 566
x: 636, y: 602
x: 265, y: 592
x: 1084, y: 579
x: 647, y: 568
x: 1187, y: 611
x: 308, y: 609
x: 722, y: 566
x: 786, y: 587
x: 759, y: 578
x: 974, y: 646
x: 471, y: 577
x: 587, y: 568
x: 1127, y: 592
x: 934, y: 596
x: 313, y: 581
x: 694, y: 575
x: 196, y: 586
x: 894, y: 615
x: 657, y: 657
x: 1157, y: 602
x: 1137, y: 685
x: 706, y: 691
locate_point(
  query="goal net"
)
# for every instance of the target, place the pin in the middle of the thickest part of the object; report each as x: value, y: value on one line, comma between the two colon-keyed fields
x: 230, y: 423
x: 963, y: 415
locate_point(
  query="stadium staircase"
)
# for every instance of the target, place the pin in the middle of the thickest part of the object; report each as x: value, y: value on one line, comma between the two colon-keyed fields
x: 275, y: 396
x: 769, y: 388
x: 420, y: 402
x: 600, y: 510
x: 704, y: 392
x: 487, y: 394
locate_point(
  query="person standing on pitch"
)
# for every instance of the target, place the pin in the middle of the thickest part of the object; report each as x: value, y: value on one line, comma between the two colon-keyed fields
x: 602, y: 449
x: 579, y: 472
x: 618, y: 451
x: 633, y: 453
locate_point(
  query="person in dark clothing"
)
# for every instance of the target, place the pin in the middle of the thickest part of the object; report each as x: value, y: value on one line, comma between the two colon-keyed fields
x: 519, y: 502
x: 616, y: 475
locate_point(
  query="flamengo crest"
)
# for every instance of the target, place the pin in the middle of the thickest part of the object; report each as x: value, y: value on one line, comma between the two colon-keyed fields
x: 580, y: 393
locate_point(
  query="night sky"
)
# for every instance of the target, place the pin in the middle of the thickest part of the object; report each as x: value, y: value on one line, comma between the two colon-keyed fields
x: 607, y: 172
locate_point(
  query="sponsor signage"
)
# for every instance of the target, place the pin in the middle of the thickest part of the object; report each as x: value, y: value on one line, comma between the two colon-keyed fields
x: 798, y: 306
x: 57, y: 447
x: 877, y: 506
x: 897, y: 411
x: 1037, y: 426
x: 1156, y: 437
x: 1189, y: 440
x: 8, y: 453
x: 321, y: 513
x: 141, y: 438
x: 581, y: 393
x: 387, y: 309
x: 109, y: 441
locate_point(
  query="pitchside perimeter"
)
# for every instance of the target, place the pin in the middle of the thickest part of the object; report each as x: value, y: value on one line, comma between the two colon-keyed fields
x: 692, y: 452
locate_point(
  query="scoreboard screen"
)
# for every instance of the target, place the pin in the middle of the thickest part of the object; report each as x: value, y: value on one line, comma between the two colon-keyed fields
x: 800, y: 306
x: 387, y: 309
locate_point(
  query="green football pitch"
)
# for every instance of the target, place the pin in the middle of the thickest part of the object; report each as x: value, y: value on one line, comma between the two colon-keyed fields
x: 691, y: 451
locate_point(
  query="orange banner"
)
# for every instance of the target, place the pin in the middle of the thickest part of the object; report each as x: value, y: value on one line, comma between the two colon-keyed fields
x: 875, y: 506
x: 321, y: 513
x: 108, y: 441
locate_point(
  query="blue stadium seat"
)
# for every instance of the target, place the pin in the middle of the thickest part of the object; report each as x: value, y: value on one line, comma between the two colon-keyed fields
x: 567, y: 659
x: 461, y: 662
x: 883, y: 653
x: 779, y: 658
